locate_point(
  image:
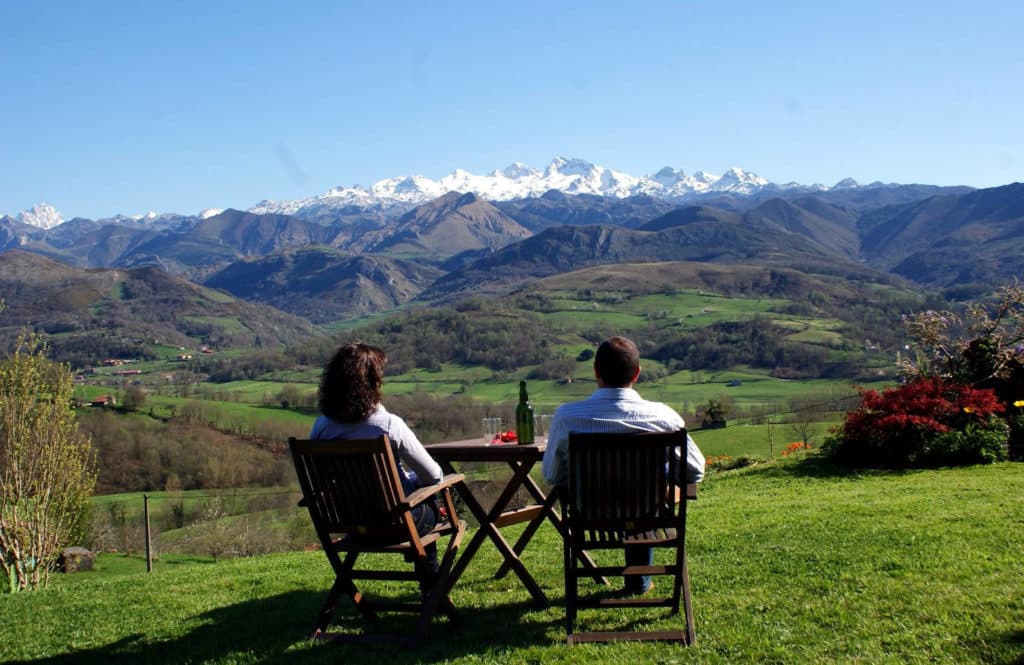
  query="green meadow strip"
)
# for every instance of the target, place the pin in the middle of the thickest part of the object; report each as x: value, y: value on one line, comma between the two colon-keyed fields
x: 791, y: 562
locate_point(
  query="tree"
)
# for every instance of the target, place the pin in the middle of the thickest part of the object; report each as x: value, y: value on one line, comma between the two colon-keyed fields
x: 47, y: 468
x: 986, y: 343
x: 713, y: 414
x: 805, y: 416
x: 134, y: 398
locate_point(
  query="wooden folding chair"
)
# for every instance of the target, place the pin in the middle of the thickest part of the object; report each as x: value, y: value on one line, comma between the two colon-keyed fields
x: 354, y: 494
x: 622, y: 491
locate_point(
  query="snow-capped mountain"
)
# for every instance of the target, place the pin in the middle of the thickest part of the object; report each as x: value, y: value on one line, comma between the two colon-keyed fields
x: 42, y: 215
x: 519, y: 181
x: 516, y: 181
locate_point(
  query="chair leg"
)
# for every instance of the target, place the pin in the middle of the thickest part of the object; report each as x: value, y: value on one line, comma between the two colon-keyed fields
x: 440, y: 590
x: 430, y: 604
x: 342, y: 582
x: 327, y: 610
x: 691, y: 631
x: 677, y: 583
x: 345, y: 576
x: 568, y: 563
x: 447, y: 563
x: 437, y: 597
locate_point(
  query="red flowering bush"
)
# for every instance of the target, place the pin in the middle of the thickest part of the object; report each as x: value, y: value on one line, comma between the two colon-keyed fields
x: 926, y: 422
x: 983, y: 346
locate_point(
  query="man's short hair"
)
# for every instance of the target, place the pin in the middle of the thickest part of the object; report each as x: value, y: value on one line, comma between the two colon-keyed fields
x: 617, y: 361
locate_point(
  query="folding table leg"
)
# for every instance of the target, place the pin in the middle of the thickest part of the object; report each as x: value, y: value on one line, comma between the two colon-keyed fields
x: 548, y: 505
x: 478, y: 538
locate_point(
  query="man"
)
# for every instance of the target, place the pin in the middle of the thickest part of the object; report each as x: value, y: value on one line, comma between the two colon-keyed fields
x: 616, y: 407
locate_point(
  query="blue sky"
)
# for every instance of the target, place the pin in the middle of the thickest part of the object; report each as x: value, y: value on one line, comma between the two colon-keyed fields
x: 116, y: 107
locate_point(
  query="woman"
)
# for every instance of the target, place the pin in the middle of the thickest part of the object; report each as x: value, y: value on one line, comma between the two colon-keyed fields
x: 351, y: 408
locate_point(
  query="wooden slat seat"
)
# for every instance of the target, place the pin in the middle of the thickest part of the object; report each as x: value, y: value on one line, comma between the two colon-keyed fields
x: 354, y: 494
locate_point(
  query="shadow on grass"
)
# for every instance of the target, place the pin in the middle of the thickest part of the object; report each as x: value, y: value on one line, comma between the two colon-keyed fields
x: 1017, y: 639
x: 817, y: 466
x: 276, y: 630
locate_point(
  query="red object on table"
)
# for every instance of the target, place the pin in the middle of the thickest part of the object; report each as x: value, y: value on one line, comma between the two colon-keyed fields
x: 503, y: 437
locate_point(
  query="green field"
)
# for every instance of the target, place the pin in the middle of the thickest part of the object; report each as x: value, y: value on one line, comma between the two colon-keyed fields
x: 245, y: 405
x: 572, y: 317
x: 790, y: 562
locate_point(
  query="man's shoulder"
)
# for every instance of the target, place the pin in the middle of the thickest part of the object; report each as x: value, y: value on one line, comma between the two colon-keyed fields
x: 662, y: 411
x: 569, y: 407
x: 661, y: 406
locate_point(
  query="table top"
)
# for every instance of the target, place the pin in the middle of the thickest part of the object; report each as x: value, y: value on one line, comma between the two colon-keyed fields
x: 479, y: 450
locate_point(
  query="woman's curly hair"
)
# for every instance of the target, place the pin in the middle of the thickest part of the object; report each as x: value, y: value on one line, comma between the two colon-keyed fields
x: 350, y: 384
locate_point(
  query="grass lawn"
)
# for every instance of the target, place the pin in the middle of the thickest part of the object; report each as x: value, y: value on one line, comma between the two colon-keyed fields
x: 228, y: 415
x: 790, y: 563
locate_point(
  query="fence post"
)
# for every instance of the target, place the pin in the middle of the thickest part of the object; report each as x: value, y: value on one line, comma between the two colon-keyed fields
x: 149, y: 538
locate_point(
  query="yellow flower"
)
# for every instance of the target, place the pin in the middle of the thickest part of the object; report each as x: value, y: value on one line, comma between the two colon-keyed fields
x: 968, y: 409
x: 1019, y: 402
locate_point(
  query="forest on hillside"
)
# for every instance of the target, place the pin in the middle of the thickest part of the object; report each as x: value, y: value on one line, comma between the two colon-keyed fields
x: 505, y: 334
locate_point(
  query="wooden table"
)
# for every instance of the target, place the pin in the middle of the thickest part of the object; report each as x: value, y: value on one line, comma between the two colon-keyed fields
x: 521, y: 459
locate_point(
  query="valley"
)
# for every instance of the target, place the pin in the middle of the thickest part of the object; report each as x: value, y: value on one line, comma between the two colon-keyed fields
x: 769, y: 301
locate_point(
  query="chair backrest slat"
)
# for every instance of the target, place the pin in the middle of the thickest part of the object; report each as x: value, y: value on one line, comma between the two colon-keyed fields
x: 349, y: 485
x: 616, y: 477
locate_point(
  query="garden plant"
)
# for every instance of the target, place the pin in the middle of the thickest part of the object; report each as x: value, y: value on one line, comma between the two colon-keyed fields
x: 961, y: 400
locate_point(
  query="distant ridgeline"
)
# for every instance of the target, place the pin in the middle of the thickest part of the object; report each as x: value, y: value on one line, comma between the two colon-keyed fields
x: 266, y: 280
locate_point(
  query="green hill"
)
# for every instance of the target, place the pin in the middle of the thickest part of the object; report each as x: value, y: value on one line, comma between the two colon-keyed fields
x: 950, y: 240
x: 323, y: 284
x: 449, y: 225
x: 97, y: 313
x: 789, y: 564
x: 686, y: 235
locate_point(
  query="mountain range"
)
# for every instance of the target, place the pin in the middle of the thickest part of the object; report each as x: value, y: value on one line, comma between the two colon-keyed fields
x: 358, y: 251
x: 519, y: 181
x: 516, y: 181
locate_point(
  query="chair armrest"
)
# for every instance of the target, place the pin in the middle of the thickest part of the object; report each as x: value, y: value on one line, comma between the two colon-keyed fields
x: 689, y: 488
x: 424, y: 493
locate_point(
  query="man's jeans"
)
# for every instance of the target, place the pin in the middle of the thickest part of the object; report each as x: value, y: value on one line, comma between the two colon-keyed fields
x: 638, y: 555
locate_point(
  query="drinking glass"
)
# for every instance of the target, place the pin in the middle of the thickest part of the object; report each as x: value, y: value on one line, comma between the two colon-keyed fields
x: 540, y: 422
x: 545, y: 424
x: 492, y: 426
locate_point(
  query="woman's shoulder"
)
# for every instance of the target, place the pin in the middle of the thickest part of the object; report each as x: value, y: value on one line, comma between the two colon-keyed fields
x: 387, y: 422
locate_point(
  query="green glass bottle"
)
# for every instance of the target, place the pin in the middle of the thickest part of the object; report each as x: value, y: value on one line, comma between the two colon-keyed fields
x: 524, y: 417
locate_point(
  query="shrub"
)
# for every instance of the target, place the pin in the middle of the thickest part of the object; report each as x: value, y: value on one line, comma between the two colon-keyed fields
x: 717, y: 462
x: 740, y: 462
x: 982, y: 443
x: 983, y: 347
x: 926, y: 422
x: 797, y: 448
